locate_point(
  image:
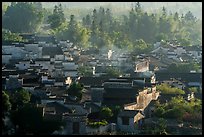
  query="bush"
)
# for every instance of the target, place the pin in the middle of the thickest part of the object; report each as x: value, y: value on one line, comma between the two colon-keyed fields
x: 176, y: 113
x: 166, y: 89
x: 106, y: 113
x: 193, y: 89
x: 6, y: 104
x: 97, y: 124
x: 75, y: 89
x: 179, y: 108
x: 159, y: 112
x: 194, y: 118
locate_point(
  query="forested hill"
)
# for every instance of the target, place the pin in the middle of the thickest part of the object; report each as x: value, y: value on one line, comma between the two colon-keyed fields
x: 180, y: 7
x: 137, y: 29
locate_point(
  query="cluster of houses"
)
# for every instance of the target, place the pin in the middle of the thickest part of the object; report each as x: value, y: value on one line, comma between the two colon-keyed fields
x: 172, y: 52
x: 46, y: 68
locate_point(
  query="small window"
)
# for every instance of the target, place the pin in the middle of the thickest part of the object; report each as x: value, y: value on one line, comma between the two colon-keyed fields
x: 125, y: 120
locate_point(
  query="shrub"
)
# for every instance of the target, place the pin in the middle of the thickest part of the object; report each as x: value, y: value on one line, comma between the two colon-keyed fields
x: 166, y: 89
x: 97, y: 124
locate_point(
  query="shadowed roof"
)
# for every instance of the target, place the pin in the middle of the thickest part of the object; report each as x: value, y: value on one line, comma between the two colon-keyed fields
x: 52, y: 51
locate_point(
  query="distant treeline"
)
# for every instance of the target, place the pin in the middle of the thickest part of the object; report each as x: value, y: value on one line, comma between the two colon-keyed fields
x: 135, y: 31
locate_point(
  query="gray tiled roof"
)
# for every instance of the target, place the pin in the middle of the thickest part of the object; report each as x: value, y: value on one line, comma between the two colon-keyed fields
x: 58, y: 107
x: 128, y: 113
x: 52, y: 51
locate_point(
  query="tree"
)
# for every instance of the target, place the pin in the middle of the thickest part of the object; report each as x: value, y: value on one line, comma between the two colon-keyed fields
x: 164, y: 12
x: 106, y: 113
x: 138, y: 7
x: 19, y: 98
x: 113, y: 72
x: 12, y: 84
x: 185, y: 42
x: 28, y: 118
x: 73, y: 32
x: 159, y: 111
x: 189, y: 17
x: 174, y: 113
x: 9, y: 36
x: 88, y: 21
x: 38, y: 5
x: 193, y: 89
x: 115, y: 111
x: 57, y: 18
x: 95, y: 17
x: 4, y: 8
x: 166, y: 89
x: 161, y: 36
x: 102, y: 29
x: 185, y: 67
x: 22, y: 96
x: 22, y: 17
x: 140, y: 46
x: 161, y: 126
x: 84, y: 38
x: 94, y: 34
x: 75, y: 89
x: 30, y: 121
x: 85, y: 70
x: 176, y: 16
x: 177, y: 108
x: 76, y: 33
x: 6, y: 105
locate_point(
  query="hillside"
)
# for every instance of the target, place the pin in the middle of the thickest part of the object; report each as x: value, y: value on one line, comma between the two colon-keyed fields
x: 181, y: 7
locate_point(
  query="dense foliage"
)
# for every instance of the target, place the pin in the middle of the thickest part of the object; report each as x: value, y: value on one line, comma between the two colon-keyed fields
x: 57, y: 18
x: 113, y: 72
x: 97, y: 124
x: 159, y: 128
x: 135, y: 31
x: 180, y: 109
x: 166, y: 89
x: 9, y: 36
x: 19, y: 98
x: 106, y: 113
x: 193, y: 89
x: 85, y: 71
x: 185, y: 67
x: 75, y: 89
x: 22, y: 17
x: 6, y: 105
x: 25, y: 117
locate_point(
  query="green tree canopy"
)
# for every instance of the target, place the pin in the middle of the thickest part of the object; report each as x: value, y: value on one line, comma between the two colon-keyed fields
x: 19, y: 98
x: 178, y: 107
x: 75, y: 89
x: 57, y: 18
x: 166, y: 89
x: 28, y: 118
x: 113, y: 72
x: 85, y: 71
x: 9, y: 36
x: 193, y: 89
x: 22, y: 17
x: 6, y: 105
x: 106, y: 113
x: 183, y: 67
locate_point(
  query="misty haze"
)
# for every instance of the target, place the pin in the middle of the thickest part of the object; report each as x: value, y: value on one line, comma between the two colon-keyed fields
x: 101, y: 68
